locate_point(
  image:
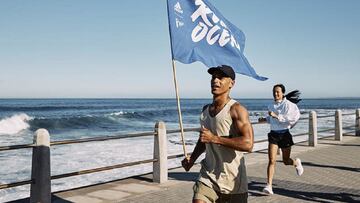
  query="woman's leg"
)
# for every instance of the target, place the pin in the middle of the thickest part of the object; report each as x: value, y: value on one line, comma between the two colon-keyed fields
x: 288, y: 161
x: 286, y: 156
x: 272, y: 151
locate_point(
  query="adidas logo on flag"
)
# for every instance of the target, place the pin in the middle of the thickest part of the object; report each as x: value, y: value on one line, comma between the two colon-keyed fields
x: 178, y: 8
x: 179, y: 23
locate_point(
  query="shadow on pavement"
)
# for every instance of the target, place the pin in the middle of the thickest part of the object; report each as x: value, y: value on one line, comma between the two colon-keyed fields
x: 330, y: 166
x: 343, y: 145
x: 302, y: 191
x: 184, y: 176
x: 54, y: 198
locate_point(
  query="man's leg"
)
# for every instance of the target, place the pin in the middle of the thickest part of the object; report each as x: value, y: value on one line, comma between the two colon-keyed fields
x: 233, y: 198
x: 203, y: 193
x: 198, y: 201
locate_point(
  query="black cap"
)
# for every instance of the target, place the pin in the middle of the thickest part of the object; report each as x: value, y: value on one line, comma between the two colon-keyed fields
x: 226, y: 70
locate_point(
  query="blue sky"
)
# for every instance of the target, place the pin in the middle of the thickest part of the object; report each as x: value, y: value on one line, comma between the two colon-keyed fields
x: 120, y: 49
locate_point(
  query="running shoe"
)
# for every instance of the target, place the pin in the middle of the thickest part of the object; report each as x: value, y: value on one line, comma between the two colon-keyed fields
x: 298, y: 166
x: 268, y: 190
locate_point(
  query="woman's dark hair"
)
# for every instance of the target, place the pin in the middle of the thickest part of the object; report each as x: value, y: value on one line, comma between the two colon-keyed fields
x: 292, y: 96
x: 281, y: 86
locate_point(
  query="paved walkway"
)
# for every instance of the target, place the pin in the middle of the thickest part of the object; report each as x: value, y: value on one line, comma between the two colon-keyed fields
x: 332, y: 174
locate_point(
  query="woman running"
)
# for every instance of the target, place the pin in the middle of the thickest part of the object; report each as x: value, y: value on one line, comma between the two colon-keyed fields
x: 283, y: 115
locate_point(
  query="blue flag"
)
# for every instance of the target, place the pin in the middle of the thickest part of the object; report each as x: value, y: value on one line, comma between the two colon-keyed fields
x: 199, y: 32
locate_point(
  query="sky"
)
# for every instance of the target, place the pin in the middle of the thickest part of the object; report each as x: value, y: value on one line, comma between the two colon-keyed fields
x: 121, y: 49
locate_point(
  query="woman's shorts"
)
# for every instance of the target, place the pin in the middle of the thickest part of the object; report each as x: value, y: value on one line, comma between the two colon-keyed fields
x: 281, y: 139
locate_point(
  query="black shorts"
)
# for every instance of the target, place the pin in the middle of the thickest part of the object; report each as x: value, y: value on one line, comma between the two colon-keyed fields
x: 281, y: 139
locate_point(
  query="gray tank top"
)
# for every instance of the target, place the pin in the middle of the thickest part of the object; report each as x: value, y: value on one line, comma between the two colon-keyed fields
x: 223, y: 168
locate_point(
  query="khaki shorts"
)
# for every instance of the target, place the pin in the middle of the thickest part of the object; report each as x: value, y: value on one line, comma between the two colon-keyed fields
x: 209, y: 195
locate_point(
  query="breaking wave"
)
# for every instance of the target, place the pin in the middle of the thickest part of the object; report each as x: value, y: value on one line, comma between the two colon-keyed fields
x: 14, y: 124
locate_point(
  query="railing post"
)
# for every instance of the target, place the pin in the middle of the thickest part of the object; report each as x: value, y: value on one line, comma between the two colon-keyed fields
x: 40, y: 189
x: 312, y: 129
x: 357, y: 123
x: 160, y: 169
x: 338, y: 125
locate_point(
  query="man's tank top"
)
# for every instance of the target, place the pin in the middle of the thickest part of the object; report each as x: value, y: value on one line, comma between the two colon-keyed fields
x: 223, y: 168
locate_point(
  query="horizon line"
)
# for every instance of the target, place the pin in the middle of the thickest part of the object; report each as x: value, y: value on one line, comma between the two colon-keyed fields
x: 164, y: 98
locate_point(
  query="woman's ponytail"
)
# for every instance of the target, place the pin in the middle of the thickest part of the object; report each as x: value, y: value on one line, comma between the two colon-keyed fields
x: 293, y: 96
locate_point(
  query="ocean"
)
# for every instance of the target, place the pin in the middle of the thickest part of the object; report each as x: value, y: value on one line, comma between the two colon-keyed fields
x: 82, y: 118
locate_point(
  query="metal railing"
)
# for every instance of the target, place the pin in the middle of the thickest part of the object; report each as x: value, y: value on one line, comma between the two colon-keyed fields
x: 160, y: 149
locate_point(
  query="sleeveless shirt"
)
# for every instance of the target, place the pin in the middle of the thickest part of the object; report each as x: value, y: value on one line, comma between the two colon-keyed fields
x: 223, y: 168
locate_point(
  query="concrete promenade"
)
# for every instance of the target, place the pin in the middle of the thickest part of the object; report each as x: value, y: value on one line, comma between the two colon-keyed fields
x: 332, y: 174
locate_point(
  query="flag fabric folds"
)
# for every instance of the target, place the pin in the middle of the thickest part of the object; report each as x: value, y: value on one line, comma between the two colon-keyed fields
x: 199, y: 32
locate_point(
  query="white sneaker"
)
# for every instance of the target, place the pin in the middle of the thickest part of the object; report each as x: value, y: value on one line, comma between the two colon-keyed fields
x: 298, y: 166
x: 268, y: 190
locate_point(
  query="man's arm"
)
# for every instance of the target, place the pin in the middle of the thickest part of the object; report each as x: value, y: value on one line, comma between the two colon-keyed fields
x: 188, y: 162
x: 244, y: 141
x: 200, y: 147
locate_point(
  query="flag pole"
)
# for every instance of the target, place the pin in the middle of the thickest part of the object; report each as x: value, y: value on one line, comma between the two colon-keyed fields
x: 179, y: 109
x: 176, y: 88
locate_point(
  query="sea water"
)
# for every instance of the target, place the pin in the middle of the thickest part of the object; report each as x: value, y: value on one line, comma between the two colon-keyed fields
x: 83, y: 118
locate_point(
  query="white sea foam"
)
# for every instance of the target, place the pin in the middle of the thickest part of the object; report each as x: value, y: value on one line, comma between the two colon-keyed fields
x: 119, y: 113
x: 14, y: 124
